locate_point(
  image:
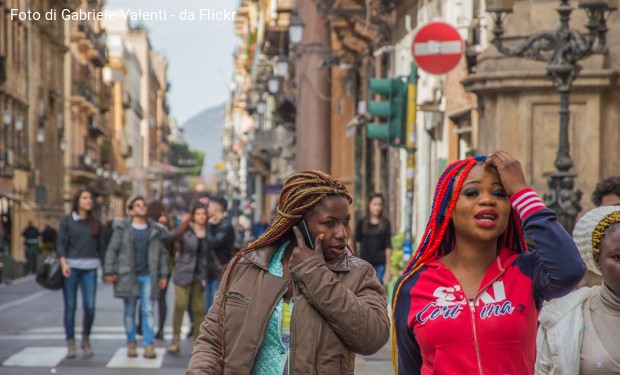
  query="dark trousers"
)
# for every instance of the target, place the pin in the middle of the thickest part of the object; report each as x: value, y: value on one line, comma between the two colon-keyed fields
x: 31, y: 258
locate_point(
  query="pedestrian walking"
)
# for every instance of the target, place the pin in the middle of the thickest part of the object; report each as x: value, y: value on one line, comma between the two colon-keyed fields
x: 220, y: 237
x: 31, y: 244
x: 259, y: 227
x: 79, y: 247
x: 157, y: 212
x: 49, y: 236
x: 578, y: 333
x: 373, y: 235
x: 190, y: 273
x: 136, y: 263
x: 286, y: 308
x: 469, y: 300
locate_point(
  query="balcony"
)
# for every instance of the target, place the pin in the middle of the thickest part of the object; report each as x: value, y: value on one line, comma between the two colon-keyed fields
x: 125, y: 150
x: 275, y: 34
x: 242, y: 19
x: 265, y: 139
x: 89, y: 43
x: 283, y: 6
x: 95, y: 128
x: 83, y: 95
x: 126, y: 100
x: 78, y: 32
x: 82, y: 169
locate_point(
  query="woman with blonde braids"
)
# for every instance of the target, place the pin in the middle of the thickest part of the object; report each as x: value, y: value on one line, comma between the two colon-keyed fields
x: 578, y: 333
x: 283, y: 308
x: 468, y: 301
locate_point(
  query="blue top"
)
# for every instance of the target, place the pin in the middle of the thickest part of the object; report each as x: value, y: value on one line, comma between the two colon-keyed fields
x: 272, y: 356
x: 141, y: 237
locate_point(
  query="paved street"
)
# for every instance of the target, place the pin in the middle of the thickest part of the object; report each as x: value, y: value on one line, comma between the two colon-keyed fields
x: 32, y: 338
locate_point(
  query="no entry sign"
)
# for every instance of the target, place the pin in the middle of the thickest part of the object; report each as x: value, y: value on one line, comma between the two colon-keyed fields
x: 437, y: 48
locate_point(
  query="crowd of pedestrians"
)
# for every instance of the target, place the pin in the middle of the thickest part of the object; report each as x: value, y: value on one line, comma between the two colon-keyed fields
x: 286, y: 294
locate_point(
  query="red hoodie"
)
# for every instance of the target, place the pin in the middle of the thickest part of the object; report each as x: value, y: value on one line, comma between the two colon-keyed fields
x: 439, y: 331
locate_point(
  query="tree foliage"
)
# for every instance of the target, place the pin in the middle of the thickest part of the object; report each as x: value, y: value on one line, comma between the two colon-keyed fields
x: 187, y: 160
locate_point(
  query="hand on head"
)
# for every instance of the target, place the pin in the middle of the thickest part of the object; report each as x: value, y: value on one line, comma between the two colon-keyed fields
x: 509, y: 170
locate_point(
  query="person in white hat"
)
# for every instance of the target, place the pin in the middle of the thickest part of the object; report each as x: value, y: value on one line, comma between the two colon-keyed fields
x: 578, y: 333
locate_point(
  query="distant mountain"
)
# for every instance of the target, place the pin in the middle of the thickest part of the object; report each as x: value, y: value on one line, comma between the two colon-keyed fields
x: 203, y: 132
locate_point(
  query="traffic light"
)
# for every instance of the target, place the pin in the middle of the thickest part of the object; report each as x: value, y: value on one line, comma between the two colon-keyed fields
x: 393, y: 110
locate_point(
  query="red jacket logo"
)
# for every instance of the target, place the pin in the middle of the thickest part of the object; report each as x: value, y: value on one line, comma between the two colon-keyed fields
x: 448, y: 305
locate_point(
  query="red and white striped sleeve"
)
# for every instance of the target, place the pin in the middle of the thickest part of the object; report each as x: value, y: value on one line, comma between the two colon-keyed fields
x: 526, y: 202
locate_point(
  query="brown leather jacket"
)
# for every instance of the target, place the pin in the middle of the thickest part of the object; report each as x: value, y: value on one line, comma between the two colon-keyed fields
x: 340, y: 309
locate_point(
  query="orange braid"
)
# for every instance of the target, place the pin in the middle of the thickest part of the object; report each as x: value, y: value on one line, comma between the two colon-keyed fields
x: 302, y: 191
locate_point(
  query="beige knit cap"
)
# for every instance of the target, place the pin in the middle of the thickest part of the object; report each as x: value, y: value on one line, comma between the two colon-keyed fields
x: 583, y: 233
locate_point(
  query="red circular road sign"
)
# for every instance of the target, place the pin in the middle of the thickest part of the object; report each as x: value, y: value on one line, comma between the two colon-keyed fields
x: 437, y: 47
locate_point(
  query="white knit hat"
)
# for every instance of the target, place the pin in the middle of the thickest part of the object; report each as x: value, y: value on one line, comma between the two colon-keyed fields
x: 583, y: 233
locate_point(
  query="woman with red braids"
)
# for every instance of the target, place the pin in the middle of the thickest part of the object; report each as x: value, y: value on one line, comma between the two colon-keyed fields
x: 284, y: 308
x: 469, y: 300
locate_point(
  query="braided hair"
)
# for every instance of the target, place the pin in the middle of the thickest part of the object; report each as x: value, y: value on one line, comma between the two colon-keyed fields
x: 439, y: 237
x: 301, y: 192
x: 601, y: 228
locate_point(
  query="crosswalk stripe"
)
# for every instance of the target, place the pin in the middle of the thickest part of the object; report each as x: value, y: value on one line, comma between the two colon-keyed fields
x: 37, y: 356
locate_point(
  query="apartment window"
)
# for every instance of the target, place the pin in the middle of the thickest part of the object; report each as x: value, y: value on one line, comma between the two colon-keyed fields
x: 463, y: 128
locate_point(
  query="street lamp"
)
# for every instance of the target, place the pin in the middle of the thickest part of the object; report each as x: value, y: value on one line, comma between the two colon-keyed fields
x: 561, y: 50
x: 273, y: 84
x: 7, y: 118
x: 19, y: 123
x: 260, y: 106
x: 41, y: 135
x: 295, y: 28
x: 281, y: 67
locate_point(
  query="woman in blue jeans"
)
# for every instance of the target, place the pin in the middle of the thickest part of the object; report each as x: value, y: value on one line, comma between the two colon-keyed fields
x: 79, y: 242
x: 374, y: 235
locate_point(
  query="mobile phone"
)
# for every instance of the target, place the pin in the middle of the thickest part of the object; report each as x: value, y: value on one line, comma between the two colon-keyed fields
x: 303, y: 227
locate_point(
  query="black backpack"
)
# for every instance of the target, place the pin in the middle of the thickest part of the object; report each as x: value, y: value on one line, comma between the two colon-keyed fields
x: 49, y: 275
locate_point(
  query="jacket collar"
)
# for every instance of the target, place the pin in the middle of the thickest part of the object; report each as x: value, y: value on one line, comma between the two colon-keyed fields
x: 262, y: 256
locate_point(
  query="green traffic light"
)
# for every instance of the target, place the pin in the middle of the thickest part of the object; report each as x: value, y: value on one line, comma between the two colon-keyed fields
x: 381, y: 109
x: 393, y: 110
x: 378, y: 131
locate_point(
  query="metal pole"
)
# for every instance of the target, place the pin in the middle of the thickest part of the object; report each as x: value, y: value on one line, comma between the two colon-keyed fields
x: 411, y: 124
x: 563, y: 162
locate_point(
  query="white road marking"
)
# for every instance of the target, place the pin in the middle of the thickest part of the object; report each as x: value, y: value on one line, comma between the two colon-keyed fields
x: 23, y: 300
x: 37, y: 356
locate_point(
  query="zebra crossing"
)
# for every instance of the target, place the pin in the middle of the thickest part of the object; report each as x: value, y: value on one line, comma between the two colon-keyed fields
x: 109, y: 345
x: 52, y: 356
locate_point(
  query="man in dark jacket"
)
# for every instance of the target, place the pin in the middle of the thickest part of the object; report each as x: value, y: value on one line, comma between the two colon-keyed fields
x: 220, y: 241
x: 48, y: 237
x: 31, y: 243
x: 136, y: 263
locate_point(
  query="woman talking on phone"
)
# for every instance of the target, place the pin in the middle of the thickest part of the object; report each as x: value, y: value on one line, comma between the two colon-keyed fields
x: 284, y: 308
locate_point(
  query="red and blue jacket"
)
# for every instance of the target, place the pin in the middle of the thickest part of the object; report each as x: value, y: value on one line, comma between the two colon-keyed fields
x: 440, y: 331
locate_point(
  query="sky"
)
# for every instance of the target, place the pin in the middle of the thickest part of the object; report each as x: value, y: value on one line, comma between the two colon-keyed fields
x: 199, y: 52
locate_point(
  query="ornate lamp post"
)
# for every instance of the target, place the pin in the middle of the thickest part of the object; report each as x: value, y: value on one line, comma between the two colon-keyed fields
x: 561, y: 50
